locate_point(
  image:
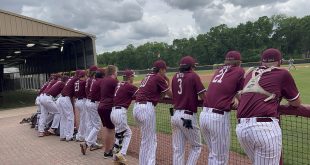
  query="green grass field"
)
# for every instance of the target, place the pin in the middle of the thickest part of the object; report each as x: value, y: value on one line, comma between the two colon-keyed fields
x: 15, y: 99
x: 296, y: 135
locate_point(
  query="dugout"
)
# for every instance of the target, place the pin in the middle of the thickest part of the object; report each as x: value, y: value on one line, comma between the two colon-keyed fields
x: 38, y: 48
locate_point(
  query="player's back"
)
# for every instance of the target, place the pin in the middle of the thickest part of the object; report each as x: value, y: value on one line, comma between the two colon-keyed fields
x: 124, y: 94
x: 151, y: 88
x: 277, y: 81
x: 224, y: 85
x: 185, y: 89
x: 107, y: 89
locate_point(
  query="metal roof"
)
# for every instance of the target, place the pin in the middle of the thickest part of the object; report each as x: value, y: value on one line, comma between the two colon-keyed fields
x: 13, y: 24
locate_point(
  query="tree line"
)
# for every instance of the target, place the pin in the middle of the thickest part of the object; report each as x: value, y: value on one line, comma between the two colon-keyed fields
x: 289, y: 34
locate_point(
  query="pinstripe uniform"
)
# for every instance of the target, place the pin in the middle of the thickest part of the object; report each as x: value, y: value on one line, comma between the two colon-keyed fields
x: 66, y: 109
x: 80, y: 105
x: 258, y: 130
x: 92, y: 104
x: 122, y: 98
x: 147, y: 97
x: 185, y: 89
x: 50, y: 106
x: 215, y: 117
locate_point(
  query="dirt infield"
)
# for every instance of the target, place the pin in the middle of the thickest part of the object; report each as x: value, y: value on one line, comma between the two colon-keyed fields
x: 164, y: 150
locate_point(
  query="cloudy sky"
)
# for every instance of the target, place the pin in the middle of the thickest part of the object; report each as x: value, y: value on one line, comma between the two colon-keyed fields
x: 117, y: 23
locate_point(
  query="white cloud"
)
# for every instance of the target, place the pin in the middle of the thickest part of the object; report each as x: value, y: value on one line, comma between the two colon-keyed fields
x: 117, y: 23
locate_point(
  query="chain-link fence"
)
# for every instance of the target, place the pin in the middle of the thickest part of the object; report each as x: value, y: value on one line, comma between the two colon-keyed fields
x: 296, y: 139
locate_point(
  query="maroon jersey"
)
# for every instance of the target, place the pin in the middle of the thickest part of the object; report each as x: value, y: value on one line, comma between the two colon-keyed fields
x: 87, y: 85
x: 43, y: 88
x: 124, y: 94
x: 94, y: 92
x: 224, y: 85
x: 50, y: 84
x: 278, y: 82
x: 107, y: 89
x: 56, y: 89
x: 185, y: 89
x: 69, y: 87
x: 151, y: 88
x: 79, y: 89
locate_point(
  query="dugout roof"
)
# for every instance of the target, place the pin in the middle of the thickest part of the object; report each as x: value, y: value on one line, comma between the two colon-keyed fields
x: 39, y: 47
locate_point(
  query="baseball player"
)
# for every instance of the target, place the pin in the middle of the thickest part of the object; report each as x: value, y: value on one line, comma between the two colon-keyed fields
x: 258, y: 129
x: 215, y: 117
x: 45, y: 106
x: 51, y: 105
x: 37, y: 101
x: 92, y: 104
x: 107, y: 89
x: 186, y: 87
x: 291, y: 64
x: 80, y: 100
x: 152, y: 87
x: 66, y: 109
x: 123, y: 96
x: 91, y: 75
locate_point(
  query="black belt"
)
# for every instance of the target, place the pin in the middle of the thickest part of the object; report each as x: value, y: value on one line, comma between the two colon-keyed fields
x: 80, y: 98
x: 93, y: 101
x: 218, y: 111
x: 118, y: 107
x: 48, y: 95
x: 265, y: 119
x: 187, y: 112
x: 144, y: 102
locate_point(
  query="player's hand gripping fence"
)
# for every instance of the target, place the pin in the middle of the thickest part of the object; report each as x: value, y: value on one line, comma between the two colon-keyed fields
x: 295, y: 126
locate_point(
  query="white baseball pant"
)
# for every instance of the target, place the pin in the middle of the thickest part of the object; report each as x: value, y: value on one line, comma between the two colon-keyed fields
x: 215, y: 129
x: 38, y: 103
x: 145, y: 116
x: 48, y: 106
x: 66, y: 117
x: 261, y: 141
x: 51, y: 108
x: 81, y: 107
x: 180, y: 135
x: 122, y: 130
x: 94, y: 122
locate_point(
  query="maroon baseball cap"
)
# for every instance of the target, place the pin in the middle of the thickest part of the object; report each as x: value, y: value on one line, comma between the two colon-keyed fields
x: 271, y: 55
x: 56, y: 76
x: 233, y: 55
x: 64, y: 78
x: 160, y: 64
x: 81, y: 73
x: 188, y: 60
x: 93, y: 68
x: 128, y: 73
x: 101, y: 70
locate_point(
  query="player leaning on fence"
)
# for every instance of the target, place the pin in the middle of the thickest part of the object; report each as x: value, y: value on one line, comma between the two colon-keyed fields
x: 186, y: 87
x: 152, y: 87
x: 215, y: 117
x: 123, y: 96
x: 258, y: 129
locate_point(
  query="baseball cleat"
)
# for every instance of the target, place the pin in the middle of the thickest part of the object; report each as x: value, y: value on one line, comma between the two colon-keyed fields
x: 120, y: 158
x: 51, y: 131
x: 95, y: 147
x: 83, y: 148
x: 62, y: 139
x: 71, y: 139
x: 108, y: 155
x: 41, y: 134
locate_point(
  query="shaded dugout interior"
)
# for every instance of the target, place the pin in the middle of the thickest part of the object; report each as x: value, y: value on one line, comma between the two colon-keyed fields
x: 39, y: 48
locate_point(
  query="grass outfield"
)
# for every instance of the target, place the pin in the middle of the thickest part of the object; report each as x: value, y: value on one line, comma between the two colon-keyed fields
x: 295, y: 130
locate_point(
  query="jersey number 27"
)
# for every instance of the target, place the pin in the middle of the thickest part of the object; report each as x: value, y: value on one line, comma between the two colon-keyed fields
x: 218, y: 78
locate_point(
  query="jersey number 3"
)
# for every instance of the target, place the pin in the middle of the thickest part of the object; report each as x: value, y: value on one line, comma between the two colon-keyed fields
x: 218, y: 78
x: 180, y: 86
